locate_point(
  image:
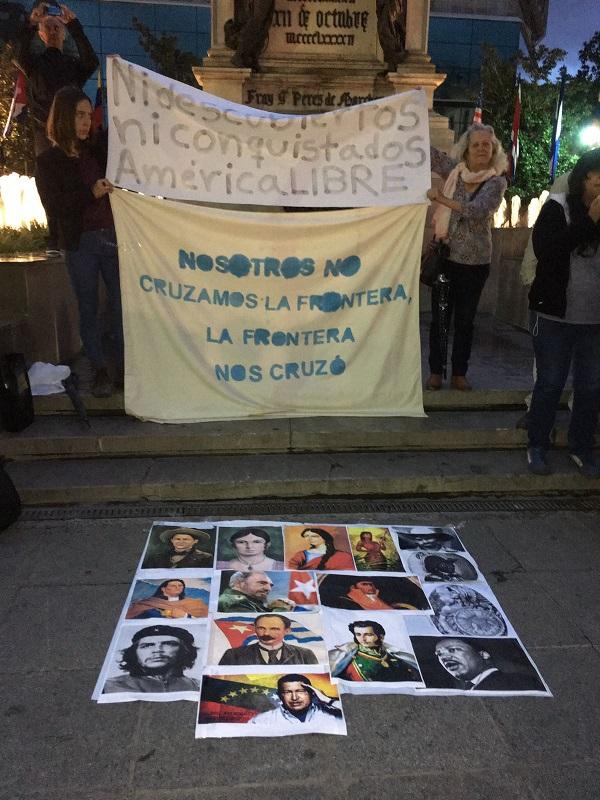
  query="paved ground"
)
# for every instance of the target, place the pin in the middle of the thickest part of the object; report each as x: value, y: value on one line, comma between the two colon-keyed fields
x: 63, y: 584
x: 501, y: 358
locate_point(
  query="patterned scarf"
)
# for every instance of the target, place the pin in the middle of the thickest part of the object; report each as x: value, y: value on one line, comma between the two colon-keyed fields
x: 441, y: 218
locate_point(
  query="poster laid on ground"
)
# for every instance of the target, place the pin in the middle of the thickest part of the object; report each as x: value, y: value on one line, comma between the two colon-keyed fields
x: 282, y: 618
x: 269, y: 704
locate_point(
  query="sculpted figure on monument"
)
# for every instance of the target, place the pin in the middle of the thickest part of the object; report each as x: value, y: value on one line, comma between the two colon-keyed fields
x: 391, y: 29
x: 248, y: 31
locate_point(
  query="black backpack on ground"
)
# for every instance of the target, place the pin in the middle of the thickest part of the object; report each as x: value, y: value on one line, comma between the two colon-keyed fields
x: 16, y: 402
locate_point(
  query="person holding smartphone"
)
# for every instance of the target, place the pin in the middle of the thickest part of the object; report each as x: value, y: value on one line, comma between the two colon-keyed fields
x: 47, y: 72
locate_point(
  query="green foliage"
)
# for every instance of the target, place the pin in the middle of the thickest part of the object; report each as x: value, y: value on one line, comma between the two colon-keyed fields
x: 23, y: 240
x: 589, y: 57
x: 168, y: 58
x: 17, y: 148
x: 541, y: 62
x: 539, y: 96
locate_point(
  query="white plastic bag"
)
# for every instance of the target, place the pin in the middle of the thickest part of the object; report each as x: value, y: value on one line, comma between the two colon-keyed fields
x: 46, y: 378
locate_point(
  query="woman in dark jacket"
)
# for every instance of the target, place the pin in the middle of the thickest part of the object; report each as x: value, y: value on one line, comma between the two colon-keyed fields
x: 565, y: 319
x: 71, y: 174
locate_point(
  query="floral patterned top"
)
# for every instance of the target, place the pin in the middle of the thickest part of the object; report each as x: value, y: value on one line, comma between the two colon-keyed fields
x: 470, y: 230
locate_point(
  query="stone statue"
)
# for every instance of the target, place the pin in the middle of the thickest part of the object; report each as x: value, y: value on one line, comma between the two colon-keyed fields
x: 248, y: 31
x: 391, y: 29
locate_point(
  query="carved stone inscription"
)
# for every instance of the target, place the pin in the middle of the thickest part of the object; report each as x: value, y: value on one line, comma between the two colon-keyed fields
x: 324, y: 27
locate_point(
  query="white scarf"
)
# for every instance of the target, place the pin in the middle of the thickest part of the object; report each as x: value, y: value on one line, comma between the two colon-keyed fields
x: 441, y: 218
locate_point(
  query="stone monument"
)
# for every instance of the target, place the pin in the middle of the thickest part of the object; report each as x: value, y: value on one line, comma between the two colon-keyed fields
x: 310, y: 56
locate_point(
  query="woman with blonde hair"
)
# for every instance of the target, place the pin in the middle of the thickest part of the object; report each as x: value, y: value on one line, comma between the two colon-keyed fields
x: 473, y: 190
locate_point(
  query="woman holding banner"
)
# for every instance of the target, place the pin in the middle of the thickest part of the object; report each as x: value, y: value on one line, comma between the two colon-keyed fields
x: 472, y: 193
x: 72, y: 176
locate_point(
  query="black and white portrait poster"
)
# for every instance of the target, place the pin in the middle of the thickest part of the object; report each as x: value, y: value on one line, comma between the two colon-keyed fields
x: 159, y: 661
x: 467, y: 665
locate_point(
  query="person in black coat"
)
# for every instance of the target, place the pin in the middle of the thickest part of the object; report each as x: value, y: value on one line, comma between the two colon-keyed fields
x: 46, y: 72
x: 72, y: 175
x: 565, y: 317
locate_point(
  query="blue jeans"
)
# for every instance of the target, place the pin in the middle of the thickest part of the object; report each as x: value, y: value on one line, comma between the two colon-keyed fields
x: 97, y: 255
x: 557, y: 345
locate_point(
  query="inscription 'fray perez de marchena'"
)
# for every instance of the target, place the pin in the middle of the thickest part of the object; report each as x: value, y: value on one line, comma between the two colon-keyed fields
x: 171, y: 140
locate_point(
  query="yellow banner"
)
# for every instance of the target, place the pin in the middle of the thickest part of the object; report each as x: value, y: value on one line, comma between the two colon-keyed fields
x: 235, y: 315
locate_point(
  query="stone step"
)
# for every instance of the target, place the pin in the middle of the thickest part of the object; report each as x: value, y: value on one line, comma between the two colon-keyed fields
x: 446, y: 400
x: 109, y: 437
x: 228, y: 477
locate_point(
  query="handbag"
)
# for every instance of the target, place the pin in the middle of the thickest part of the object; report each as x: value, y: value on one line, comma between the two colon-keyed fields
x: 434, y: 257
x: 433, y: 261
x: 16, y: 402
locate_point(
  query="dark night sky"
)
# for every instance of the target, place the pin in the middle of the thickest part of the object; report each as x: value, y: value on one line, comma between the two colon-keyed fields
x: 570, y: 24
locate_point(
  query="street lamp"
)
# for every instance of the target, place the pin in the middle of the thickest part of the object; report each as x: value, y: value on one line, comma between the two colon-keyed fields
x: 590, y: 133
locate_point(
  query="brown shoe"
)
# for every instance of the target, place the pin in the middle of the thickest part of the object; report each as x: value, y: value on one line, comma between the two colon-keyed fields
x: 434, y: 382
x: 461, y: 383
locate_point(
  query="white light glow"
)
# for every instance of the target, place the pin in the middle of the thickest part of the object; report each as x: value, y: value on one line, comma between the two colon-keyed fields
x: 20, y: 203
x: 590, y: 135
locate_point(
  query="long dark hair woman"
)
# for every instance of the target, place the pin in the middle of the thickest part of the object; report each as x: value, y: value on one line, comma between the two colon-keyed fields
x: 320, y: 552
x: 565, y: 317
x: 71, y: 174
x: 168, y: 601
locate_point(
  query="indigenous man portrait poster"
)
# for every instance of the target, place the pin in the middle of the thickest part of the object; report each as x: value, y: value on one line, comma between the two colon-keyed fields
x: 374, y: 550
x: 282, y: 704
x: 271, y: 639
x: 442, y: 567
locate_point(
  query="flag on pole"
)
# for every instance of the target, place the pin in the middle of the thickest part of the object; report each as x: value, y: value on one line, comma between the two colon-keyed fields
x: 98, y: 115
x: 478, y: 106
x: 18, y: 106
x: 514, y: 136
x: 555, y: 144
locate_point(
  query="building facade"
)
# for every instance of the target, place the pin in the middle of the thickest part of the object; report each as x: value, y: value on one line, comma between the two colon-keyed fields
x: 458, y: 29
